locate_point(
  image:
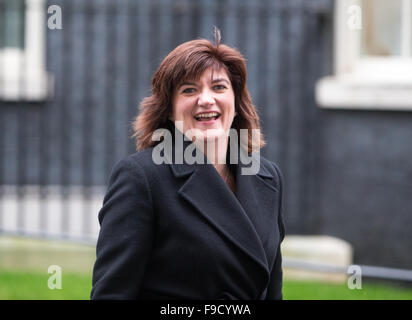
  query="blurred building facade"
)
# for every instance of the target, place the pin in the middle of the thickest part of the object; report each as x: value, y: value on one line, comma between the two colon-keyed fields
x: 347, y: 171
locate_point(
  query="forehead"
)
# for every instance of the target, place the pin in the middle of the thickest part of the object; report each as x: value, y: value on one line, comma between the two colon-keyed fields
x: 212, y: 74
x: 208, y: 74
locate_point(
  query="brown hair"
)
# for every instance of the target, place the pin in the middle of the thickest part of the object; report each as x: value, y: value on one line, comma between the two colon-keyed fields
x: 188, y: 61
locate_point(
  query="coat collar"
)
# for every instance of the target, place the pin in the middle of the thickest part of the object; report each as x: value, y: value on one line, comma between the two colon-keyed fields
x: 240, y: 218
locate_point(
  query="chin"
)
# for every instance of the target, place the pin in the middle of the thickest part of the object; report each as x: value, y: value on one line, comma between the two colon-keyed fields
x: 213, y: 134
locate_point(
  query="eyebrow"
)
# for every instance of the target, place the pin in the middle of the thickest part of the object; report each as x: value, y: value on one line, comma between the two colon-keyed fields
x: 213, y: 81
x: 220, y: 80
x: 187, y: 84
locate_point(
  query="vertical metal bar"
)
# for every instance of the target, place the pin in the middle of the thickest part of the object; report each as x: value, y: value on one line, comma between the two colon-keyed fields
x: 11, y: 168
x: 253, y: 52
x: 272, y: 86
x: 283, y: 61
x: 32, y: 137
x: 122, y: 70
x: 21, y: 161
x: 98, y: 56
x: 22, y: 8
x: 30, y: 181
x: 44, y: 165
x: 88, y: 126
x: 110, y: 77
x: 263, y: 63
x: 154, y: 7
x: 23, y: 134
x: 26, y: 124
x: 53, y: 146
x: 283, y: 103
x: 229, y: 25
x: 142, y: 51
x: 196, y: 18
x: 177, y: 18
x: 294, y: 121
x: 208, y: 12
x: 133, y: 41
x: 67, y: 67
x: 306, y: 107
x: 313, y: 67
x: 77, y: 110
x: 167, y: 27
x: 96, y: 102
x: 241, y: 26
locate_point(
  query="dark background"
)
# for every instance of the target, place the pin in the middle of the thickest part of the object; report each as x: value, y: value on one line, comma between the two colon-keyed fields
x: 347, y: 173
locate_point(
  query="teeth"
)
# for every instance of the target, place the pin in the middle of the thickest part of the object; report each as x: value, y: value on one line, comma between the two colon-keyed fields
x: 207, y: 115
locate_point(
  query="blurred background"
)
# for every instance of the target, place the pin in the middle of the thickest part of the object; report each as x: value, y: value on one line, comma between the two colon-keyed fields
x: 332, y: 82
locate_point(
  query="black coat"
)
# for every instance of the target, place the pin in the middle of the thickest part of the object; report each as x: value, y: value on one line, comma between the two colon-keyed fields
x: 176, y: 231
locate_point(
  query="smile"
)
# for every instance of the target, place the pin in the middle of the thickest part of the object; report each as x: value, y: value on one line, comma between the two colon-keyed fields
x: 207, y: 116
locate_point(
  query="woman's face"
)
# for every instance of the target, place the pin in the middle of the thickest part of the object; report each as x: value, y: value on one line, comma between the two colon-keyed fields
x: 205, y: 104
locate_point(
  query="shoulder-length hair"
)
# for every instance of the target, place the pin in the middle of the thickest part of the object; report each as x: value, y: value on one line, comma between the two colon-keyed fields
x: 188, y: 61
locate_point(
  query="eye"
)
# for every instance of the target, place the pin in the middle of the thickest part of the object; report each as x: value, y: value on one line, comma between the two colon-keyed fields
x: 219, y: 87
x: 188, y: 90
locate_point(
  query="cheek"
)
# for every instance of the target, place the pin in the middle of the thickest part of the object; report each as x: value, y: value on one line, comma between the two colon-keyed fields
x: 179, y: 110
x: 183, y: 112
x: 230, y: 113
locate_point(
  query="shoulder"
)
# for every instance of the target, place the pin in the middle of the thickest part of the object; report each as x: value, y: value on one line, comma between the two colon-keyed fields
x: 133, y: 167
x: 141, y: 167
x: 137, y: 162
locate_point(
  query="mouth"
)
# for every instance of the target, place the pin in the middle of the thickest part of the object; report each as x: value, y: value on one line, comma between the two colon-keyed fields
x: 207, y: 116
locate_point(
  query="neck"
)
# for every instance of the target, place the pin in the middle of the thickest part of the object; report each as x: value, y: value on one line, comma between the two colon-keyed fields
x: 216, y: 154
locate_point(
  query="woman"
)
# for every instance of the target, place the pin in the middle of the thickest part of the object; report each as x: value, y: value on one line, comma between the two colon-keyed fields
x: 185, y: 229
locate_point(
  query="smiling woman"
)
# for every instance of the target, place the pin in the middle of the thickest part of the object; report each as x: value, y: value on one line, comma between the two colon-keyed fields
x: 206, y: 105
x: 184, y: 230
x: 185, y: 73
x: 201, y: 103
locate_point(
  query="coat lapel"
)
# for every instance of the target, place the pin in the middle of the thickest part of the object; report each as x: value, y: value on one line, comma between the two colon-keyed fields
x: 240, y: 218
x: 258, y: 197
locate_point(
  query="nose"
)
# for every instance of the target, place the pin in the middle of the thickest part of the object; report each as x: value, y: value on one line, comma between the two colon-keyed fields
x: 205, y: 99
